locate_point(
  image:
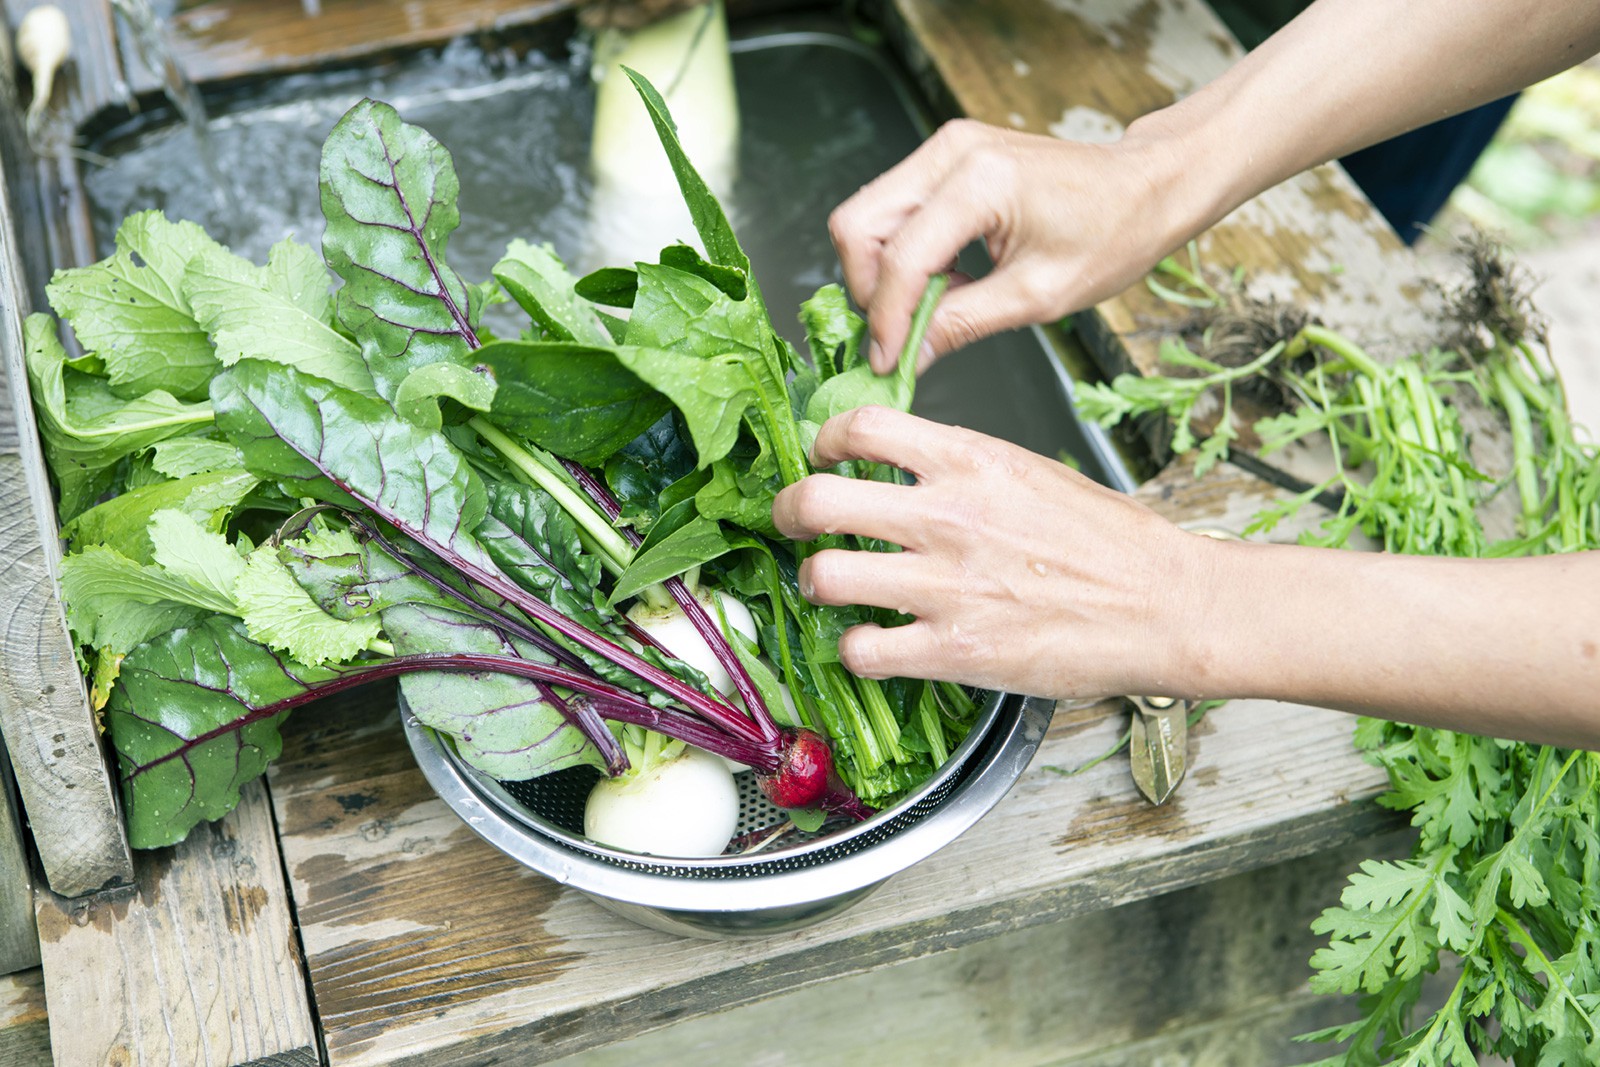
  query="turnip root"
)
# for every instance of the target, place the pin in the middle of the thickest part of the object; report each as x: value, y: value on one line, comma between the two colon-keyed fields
x: 670, y: 628
x: 685, y: 806
x: 43, y: 40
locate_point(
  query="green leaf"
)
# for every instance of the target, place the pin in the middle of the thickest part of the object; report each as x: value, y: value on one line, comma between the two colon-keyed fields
x: 132, y: 312
x: 712, y: 393
x: 540, y: 284
x: 85, y: 427
x: 417, y: 399
x: 731, y: 280
x: 123, y: 522
x: 280, y: 614
x: 115, y: 603
x: 646, y: 467
x: 276, y: 313
x: 698, y: 541
x: 389, y: 196
x: 861, y: 385
x: 188, y: 550
x: 833, y: 331
x: 578, y: 401
x: 611, y: 286
x: 193, y: 718
x: 807, y: 820
x: 681, y: 311
x: 337, y: 446
x: 710, y: 221
x: 179, y: 457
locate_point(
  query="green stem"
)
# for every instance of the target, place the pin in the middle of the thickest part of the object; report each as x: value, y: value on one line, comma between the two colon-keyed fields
x: 597, y: 526
x: 1522, y: 937
x: 1340, y: 346
x: 1522, y: 447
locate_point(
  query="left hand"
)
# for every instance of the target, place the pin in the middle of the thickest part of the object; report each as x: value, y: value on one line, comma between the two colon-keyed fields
x: 1021, y: 573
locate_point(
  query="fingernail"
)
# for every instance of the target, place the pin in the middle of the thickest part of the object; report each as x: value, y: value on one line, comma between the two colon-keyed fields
x: 875, y: 357
x: 925, y: 356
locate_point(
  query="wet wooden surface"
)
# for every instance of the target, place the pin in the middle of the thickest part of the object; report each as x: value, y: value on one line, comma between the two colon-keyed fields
x: 425, y: 945
x: 19, y: 940
x: 24, y: 1027
x: 200, y: 965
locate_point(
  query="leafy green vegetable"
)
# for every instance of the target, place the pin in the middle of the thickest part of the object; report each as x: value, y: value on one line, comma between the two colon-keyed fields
x: 280, y: 312
x: 1502, y: 878
x: 577, y: 400
x: 133, y: 312
x: 174, y: 716
x: 87, y: 429
x: 389, y: 193
x: 538, y: 281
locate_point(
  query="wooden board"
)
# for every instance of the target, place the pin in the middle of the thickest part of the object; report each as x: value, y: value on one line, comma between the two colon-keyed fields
x: 426, y: 946
x: 1084, y: 70
x: 44, y: 713
x: 19, y: 940
x: 24, y: 1030
x: 1165, y: 980
x: 200, y: 966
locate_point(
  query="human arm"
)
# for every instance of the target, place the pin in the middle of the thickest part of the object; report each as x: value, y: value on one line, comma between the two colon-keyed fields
x: 1024, y: 575
x: 1071, y: 224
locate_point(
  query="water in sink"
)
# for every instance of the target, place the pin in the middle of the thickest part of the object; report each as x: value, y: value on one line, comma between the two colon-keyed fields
x: 820, y: 116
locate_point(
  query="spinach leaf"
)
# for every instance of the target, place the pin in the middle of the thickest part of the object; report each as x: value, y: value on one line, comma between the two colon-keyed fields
x: 685, y: 545
x: 540, y: 284
x: 132, y: 311
x: 85, y: 427
x: 643, y: 470
x: 710, y: 221
x: 579, y: 401
x: 833, y: 331
x: 611, y: 286
x: 389, y: 195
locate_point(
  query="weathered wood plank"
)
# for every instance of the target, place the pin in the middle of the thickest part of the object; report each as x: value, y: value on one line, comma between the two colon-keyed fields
x: 1162, y: 976
x: 426, y: 946
x: 19, y: 939
x: 200, y: 966
x: 1085, y: 69
x: 44, y: 713
x: 24, y: 1030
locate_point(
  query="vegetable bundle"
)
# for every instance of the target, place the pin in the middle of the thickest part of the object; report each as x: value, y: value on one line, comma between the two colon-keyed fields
x: 1501, y: 886
x: 308, y: 493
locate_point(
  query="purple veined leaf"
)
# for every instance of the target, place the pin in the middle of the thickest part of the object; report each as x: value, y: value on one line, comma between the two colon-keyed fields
x: 343, y: 448
x: 389, y: 196
x: 198, y: 712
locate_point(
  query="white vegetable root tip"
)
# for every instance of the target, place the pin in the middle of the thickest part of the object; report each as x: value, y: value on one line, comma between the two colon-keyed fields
x: 44, y: 38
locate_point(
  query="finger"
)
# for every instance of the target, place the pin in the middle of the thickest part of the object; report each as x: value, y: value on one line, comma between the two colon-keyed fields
x: 954, y: 215
x: 1010, y: 297
x: 898, y: 581
x: 828, y: 504
x: 884, y: 435
x: 910, y: 651
x: 862, y: 224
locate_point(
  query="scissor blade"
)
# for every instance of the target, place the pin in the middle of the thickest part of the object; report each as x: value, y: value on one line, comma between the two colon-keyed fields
x: 1159, y: 748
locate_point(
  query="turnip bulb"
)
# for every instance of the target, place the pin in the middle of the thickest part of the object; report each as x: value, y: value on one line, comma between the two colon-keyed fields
x: 670, y: 628
x: 683, y: 806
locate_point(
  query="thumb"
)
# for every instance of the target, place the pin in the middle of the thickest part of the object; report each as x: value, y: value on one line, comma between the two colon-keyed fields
x: 969, y: 312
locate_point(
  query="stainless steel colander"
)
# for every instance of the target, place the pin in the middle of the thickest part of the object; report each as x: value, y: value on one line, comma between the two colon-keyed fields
x: 803, y: 880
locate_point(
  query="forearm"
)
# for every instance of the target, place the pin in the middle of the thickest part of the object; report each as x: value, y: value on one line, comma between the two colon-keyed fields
x: 1508, y: 648
x: 1349, y: 73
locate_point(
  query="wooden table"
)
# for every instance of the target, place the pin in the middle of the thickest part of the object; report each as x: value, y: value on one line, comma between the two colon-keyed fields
x: 344, y: 914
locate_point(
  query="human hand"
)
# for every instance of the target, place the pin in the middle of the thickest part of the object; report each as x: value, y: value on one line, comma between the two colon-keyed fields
x: 1067, y: 225
x: 1021, y: 573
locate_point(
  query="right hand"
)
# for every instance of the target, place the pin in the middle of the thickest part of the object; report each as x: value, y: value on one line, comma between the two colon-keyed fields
x: 1067, y: 225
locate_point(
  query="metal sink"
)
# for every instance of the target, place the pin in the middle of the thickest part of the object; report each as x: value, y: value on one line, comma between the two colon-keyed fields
x: 821, y: 114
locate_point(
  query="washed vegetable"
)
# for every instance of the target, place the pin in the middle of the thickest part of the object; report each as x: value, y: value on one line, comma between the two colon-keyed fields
x: 1499, y: 892
x: 679, y: 804
x: 270, y: 496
